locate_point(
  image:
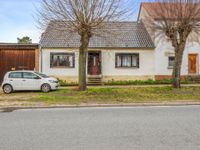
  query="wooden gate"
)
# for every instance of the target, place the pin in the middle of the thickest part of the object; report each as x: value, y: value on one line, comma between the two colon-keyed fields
x: 16, y: 60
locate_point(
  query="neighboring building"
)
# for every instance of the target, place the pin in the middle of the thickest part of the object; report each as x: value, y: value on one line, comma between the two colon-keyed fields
x: 18, y: 57
x: 164, y: 52
x: 125, y: 54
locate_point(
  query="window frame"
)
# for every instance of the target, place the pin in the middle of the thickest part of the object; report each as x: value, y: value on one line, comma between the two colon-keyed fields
x: 62, y: 53
x: 128, y: 54
x: 170, y: 67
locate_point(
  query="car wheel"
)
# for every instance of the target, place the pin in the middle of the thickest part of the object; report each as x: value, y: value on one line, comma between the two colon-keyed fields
x: 7, y: 89
x: 46, y: 88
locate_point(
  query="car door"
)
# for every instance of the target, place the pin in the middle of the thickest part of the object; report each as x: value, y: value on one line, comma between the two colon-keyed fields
x: 31, y: 81
x: 15, y: 79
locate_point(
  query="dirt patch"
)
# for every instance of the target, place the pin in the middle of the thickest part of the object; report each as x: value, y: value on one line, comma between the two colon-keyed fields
x: 18, y: 99
x: 17, y: 96
x: 7, y: 103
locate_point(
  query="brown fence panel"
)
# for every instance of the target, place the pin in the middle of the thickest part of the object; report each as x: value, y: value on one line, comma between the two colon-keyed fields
x: 16, y: 60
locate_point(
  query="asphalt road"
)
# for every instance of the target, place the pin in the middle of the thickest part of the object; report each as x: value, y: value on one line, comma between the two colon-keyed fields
x: 137, y: 128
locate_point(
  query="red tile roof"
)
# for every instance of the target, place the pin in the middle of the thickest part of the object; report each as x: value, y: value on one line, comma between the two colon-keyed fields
x: 171, y: 10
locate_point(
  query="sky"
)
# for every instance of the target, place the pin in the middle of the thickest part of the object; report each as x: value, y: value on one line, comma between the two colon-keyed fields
x: 17, y: 19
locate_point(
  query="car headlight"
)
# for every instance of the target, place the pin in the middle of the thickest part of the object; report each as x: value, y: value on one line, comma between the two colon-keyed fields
x: 53, y: 81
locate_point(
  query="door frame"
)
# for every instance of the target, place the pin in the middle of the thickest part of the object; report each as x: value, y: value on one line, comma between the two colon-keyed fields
x: 197, y: 63
x: 100, y: 58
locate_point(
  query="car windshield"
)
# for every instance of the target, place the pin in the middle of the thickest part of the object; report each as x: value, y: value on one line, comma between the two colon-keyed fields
x: 42, y: 75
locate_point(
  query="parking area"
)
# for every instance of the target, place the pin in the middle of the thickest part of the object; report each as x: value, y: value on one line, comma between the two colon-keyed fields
x: 17, y: 99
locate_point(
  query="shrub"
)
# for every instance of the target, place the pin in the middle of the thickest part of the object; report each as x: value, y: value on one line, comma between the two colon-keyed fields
x: 127, y: 82
x: 65, y: 83
x: 142, y: 82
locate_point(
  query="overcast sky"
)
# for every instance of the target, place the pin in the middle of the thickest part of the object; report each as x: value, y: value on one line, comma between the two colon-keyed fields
x: 17, y: 20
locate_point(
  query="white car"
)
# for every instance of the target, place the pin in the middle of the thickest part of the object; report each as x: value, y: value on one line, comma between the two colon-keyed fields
x: 28, y: 81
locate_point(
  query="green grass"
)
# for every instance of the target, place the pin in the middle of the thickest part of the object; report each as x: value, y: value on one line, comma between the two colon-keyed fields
x: 119, y: 95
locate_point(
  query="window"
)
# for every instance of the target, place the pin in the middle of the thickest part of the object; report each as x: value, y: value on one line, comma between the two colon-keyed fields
x: 15, y: 75
x: 29, y: 75
x: 127, y: 60
x: 42, y: 75
x: 171, y: 60
x: 62, y: 60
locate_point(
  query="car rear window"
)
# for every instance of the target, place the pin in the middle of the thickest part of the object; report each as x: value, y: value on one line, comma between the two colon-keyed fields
x: 15, y: 75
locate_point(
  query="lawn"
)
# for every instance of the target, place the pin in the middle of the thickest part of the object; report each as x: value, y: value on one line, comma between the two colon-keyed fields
x: 120, y: 95
x: 104, y: 96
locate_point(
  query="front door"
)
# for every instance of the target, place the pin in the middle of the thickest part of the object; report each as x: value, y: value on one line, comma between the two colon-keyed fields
x: 94, y: 63
x: 192, y: 63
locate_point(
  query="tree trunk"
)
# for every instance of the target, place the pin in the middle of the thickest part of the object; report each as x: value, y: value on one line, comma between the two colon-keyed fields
x: 176, y: 82
x: 82, y: 61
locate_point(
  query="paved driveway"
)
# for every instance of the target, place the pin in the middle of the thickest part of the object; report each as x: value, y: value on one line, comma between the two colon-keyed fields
x: 139, y: 128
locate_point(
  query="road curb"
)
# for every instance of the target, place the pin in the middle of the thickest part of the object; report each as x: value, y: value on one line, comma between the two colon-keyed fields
x: 11, y: 109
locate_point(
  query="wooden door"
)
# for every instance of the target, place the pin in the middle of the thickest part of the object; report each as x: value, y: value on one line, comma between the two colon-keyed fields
x: 16, y: 60
x: 94, y: 64
x: 192, y: 63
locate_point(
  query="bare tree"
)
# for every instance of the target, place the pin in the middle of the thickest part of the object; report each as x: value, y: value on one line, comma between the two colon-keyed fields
x: 84, y: 17
x: 179, y: 22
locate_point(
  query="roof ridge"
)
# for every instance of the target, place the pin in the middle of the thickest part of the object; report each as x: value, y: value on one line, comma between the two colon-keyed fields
x: 120, y: 21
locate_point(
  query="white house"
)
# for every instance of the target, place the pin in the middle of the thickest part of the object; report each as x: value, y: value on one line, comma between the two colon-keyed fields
x: 164, y: 52
x: 127, y: 52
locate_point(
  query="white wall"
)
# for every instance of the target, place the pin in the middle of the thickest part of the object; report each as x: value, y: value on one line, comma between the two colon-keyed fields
x: 147, y: 67
x: 164, y: 50
x: 146, y: 63
x: 58, y: 71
